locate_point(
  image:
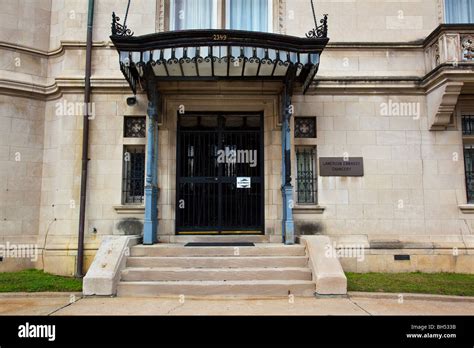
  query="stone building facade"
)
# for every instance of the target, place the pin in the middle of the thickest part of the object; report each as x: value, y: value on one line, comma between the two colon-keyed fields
x: 394, y: 88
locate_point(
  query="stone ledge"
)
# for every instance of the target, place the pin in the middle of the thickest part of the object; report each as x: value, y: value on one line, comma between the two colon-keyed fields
x: 400, y: 242
x: 466, y: 208
x: 129, y: 209
x: 310, y: 209
x: 327, y: 270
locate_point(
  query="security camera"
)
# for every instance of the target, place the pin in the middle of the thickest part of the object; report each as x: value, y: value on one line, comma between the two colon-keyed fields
x: 131, y: 101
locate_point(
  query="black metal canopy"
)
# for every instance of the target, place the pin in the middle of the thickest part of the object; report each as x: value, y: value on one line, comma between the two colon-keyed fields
x: 217, y: 54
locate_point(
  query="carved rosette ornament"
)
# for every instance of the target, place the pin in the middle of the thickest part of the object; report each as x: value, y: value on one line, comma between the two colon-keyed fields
x: 467, y: 46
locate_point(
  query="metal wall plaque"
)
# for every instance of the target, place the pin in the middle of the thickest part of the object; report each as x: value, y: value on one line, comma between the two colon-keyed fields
x: 337, y: 166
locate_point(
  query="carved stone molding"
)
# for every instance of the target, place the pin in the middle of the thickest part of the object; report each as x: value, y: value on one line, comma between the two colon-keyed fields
x: 440, y: 11
x: 432, y: 56
x: 160, y: 15
x: 442, y: 101
x: 282, y: 17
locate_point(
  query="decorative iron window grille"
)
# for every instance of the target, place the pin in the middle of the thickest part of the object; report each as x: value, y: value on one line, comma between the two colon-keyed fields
x: 469, y: 170
x: 133, y: 186
x: 134, y: 127
x: 467, y: 125
x: 306, y: 178
x: 305, y: 127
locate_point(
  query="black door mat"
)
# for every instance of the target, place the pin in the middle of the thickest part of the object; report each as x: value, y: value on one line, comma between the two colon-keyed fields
x: 220, y: 244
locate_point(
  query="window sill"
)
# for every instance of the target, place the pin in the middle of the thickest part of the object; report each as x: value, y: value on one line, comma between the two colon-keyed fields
x: 310, y: 209
x: 466, y: 208
x: 130, y: 209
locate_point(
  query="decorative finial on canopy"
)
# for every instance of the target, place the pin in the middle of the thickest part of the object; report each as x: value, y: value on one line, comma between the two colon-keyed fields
x: 320, y: 31
x: 121, y: 29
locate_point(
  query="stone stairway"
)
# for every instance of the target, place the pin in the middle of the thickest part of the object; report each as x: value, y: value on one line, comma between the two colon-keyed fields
x: 174, y: 270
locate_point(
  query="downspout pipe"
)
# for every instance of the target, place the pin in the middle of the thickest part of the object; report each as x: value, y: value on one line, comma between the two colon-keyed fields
x: 85, y: 143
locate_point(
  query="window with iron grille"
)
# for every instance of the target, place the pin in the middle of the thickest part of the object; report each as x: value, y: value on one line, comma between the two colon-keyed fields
x: 306, y: 178
x: 467, y: 125
x: 134, y: 127
x: 133, y: 185
x: 469, y: 169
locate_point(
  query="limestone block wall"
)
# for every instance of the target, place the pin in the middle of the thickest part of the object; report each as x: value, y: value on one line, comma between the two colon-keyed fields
x: 370, y: 62
x: 367, y: 20
x: 60, y: 191
x: 26, y: 23
x: 69, y: 19
x: 414, y: 178
x: 21, y: 159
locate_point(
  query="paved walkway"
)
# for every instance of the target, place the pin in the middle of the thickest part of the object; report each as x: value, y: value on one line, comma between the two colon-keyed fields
x: 354, y: 304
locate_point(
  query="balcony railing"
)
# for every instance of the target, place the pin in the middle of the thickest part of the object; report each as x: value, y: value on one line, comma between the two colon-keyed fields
x: 449, y: 44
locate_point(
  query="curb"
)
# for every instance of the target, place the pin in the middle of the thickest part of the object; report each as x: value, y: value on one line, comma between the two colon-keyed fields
x: 39, y: 294
x: 409, y: 296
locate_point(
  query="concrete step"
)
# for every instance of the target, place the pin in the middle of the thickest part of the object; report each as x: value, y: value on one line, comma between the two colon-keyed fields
x: 214, y: 274
x: 258, y: 288
x: 180, y: 250
x: 218, y: 262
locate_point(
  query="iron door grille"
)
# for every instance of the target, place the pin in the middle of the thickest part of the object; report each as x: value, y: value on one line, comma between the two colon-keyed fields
x: 213, y: 150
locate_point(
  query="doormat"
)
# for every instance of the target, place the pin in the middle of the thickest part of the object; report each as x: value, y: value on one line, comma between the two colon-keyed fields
x: 220, y: 244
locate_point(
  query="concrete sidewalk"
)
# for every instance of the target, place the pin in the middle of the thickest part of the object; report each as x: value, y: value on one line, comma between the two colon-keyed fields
x: 354, y: 304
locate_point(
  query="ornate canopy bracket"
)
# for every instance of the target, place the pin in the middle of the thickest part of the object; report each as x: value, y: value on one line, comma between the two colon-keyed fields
x: 320, y: 31
x: 119, y: 29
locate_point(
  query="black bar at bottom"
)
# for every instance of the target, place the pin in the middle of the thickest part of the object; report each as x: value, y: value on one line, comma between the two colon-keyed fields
x: 243, y: 331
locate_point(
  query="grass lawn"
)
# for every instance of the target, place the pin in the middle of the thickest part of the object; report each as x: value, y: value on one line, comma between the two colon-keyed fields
x: 422, y: 283
x: 33, y: 280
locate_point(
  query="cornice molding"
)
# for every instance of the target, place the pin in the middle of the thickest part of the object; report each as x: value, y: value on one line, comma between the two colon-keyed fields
x: 418, y: 45
x: 61, y: 86
x: 322, y: 85
x: 55, y: 52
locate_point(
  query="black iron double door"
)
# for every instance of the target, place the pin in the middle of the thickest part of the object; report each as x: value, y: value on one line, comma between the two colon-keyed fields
x: 220, y: 178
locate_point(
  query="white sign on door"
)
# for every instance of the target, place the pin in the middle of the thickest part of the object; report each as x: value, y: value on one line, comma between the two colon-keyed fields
x: 244, y: 182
